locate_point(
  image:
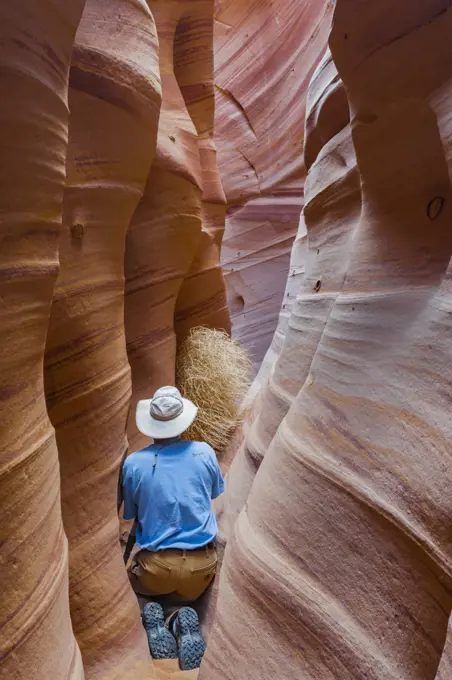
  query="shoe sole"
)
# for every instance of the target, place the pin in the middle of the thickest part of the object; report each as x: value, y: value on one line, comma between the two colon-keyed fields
x: 162, y: 644
x: 191, y: 642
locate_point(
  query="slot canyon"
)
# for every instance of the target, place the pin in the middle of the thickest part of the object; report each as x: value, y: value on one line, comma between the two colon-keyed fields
x: 280, y: 170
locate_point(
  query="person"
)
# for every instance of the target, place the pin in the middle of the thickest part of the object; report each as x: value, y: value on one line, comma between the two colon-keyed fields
x: 167, y: 488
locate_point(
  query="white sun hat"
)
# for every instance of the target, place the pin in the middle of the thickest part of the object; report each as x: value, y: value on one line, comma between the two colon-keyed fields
x: 166, y: 415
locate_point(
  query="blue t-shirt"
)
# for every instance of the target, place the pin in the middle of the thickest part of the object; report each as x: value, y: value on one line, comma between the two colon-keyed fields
x: 169, y: 488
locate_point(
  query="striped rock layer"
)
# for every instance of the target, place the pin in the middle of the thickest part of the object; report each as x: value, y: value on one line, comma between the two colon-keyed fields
x: 337, y: 512
x: 265, y: 53
x: 173, y: 277
x: 114, y: 100
x: 71, y: 187
x: 336, y: 518
x: 36, y: 638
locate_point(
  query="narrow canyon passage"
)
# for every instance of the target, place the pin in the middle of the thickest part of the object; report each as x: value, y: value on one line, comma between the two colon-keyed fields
x: 279, y: 170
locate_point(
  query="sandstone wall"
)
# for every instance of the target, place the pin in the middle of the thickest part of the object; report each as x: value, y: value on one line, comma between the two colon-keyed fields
x: 173, y: 275
x: 36, y: 638
x: 336, y: 518
x: 69, y: 191
x: 114, y: 99
x: 338, y: 564
x: 265, y: 54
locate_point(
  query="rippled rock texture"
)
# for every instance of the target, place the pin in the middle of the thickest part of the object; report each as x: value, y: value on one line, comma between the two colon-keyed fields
x: 35, y: 51
x: 265, y: 53
x: 173, y: 276
x: 337, y: 514
x: 114, y: 100
x: 77, y: 192
x: 338, y: 562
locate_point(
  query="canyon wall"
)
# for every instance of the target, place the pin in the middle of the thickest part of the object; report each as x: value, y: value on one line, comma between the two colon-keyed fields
x: 264, y: 55
x: 338, y: 557
x: 71, y: 188
x: 36, y: 638
x: 336, y: 517
x: 114, y: 100
x: 173, y: 276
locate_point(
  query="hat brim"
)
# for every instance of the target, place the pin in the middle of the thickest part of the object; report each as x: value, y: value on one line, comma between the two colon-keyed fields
x: 164, y: 429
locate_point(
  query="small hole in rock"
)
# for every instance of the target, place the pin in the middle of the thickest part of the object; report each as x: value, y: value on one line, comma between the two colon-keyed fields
x: 435, y: 207
x: 318, y: 286
x: 238, y: 304
x: 77, y: 230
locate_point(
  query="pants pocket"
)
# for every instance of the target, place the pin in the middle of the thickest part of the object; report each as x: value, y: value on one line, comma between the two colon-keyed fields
x: 197, y: 578
x: 155, y: 575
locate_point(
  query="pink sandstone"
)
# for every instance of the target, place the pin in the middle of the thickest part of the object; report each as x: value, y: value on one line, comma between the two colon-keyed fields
x: 339, y: 562
x: 265, y: 54
x: 335, y: 525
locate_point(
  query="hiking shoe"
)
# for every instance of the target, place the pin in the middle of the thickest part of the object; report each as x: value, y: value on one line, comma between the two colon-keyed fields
x: 184, y: 625
x: 162, y: 644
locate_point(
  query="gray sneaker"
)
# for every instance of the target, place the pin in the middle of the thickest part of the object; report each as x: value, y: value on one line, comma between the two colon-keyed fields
x: 162, y: 644
x: 185, y: 628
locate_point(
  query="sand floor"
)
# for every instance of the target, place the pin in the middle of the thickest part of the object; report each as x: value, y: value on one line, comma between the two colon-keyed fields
x: 169, y: 668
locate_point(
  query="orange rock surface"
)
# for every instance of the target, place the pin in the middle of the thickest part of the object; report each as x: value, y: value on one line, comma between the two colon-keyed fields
x: 103, y: 161
x: 335, y: 524
x: 112, y: 141
x: 173, y: 275
x: 36, y: 40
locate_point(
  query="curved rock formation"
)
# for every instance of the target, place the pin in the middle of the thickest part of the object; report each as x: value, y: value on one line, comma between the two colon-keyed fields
x: 331, y: 213
x: 336, y: 518
x: 173, y: 275
x: 114, y: 100
x: 332, y: 195
x: 341, y: 557
x: 35, y: 51
x: 265, y: 54
x: 202, y: 297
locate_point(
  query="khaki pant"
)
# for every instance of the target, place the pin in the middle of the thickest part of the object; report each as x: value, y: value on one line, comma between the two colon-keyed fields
x: 183, y: 573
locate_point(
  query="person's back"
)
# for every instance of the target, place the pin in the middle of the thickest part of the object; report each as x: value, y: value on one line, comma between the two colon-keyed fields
x: 167, y: 487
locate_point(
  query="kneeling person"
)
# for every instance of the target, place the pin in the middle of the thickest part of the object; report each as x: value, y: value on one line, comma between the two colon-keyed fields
x: 167, y: 488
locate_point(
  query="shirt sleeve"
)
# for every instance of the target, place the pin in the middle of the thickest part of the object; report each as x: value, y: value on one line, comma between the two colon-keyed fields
x: 130, y: 509
x: 217, y: 477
